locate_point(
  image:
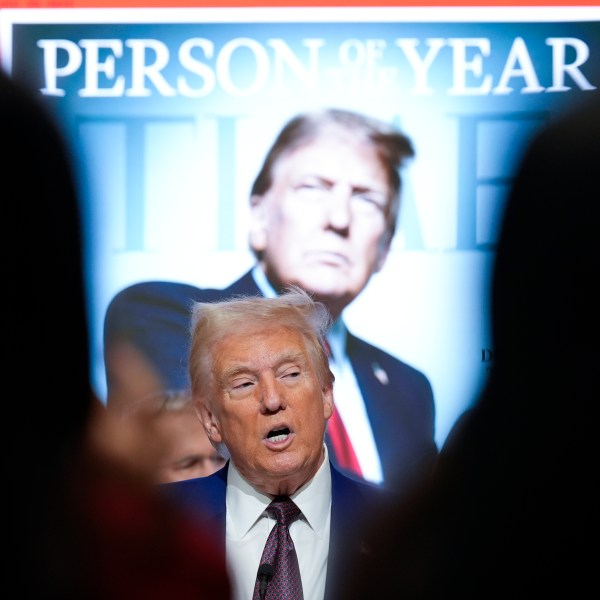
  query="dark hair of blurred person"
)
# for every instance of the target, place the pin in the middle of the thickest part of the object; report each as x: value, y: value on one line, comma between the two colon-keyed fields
x: 81, y: 524
x: 512, y: 510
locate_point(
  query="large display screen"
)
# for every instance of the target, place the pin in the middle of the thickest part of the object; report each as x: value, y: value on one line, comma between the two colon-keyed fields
x: 170, y: 112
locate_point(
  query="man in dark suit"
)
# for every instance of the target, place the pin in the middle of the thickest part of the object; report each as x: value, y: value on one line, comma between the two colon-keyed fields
x: 323, y: 214
x: 263, y: 390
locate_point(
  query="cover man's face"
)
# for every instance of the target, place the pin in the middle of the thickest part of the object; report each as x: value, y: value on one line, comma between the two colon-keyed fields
x: 321, y: 225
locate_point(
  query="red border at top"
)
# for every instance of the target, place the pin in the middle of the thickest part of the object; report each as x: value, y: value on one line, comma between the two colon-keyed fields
x: 281, y: 3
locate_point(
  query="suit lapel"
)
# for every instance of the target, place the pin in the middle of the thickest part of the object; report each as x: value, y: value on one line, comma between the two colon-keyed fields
x: 375, y: 392
x: 245, y: 285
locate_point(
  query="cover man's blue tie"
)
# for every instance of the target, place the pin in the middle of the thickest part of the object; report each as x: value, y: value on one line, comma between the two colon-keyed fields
x: 280, y: 553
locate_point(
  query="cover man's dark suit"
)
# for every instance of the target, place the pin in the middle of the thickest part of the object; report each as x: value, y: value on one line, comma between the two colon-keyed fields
x: 154, y: 317
x: 353, y: 504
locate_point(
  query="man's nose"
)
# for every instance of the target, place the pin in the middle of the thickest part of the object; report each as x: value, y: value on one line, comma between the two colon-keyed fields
x: 271, y: 398
x: 340, y: 206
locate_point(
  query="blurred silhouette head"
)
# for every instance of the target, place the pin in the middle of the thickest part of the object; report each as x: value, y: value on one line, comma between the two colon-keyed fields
x: 544, y: 294
x: 44, y: 316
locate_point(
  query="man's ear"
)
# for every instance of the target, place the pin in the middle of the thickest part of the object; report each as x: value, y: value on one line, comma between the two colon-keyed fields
x: 209, y: 422
x: 328, y: 401
x: 258, y: 224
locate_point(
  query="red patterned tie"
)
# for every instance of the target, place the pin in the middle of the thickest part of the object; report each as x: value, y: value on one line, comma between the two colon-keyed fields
x: 280, y: 553
x: 339, y: 440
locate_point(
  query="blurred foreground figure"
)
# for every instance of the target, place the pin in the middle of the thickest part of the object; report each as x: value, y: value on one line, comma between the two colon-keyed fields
x: 82, y: 524
x: 512, y: 510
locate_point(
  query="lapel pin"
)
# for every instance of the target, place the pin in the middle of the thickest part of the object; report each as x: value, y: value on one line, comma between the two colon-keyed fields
x: 380, y: 373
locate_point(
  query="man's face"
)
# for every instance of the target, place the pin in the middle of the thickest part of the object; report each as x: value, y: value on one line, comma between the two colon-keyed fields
x: 187, y: 451
x: 321, y: 224
x: 269, y: 408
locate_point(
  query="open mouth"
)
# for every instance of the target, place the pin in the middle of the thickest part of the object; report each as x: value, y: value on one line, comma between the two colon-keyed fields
x: 278, y: 435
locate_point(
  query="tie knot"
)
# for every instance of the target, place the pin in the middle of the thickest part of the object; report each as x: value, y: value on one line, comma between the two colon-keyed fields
x: 284, y: 510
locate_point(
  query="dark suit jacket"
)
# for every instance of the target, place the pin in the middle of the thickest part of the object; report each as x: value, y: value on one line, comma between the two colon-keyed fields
x: 352, y: 504
x: 154, y: 317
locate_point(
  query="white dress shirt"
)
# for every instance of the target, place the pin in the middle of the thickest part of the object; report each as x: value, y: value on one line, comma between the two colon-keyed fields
x: 346, y: 393
x: 351, y: 406
x: 248, y: 525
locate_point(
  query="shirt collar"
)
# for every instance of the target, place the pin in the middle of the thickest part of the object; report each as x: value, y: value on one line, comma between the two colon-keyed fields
x: 267, y: 290
x: 337, y: 340
x: 245, y: 505
x: 314, y: 498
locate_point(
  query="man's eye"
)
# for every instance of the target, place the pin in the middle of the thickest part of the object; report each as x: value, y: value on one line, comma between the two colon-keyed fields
x: 242, y: 385
x: 307, y: 185
x: 196, y: 461
x: 291, y: 374
x: 371, y: 200
x: 215, y: 459
x: 186, y: 463
x: 368, y: 203
x: 364, y: 198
